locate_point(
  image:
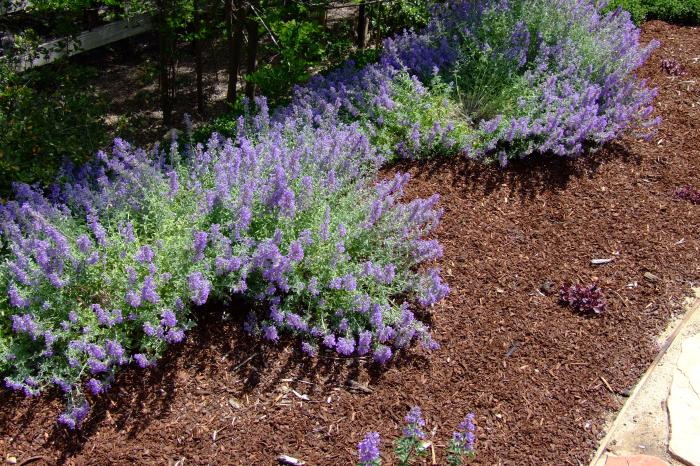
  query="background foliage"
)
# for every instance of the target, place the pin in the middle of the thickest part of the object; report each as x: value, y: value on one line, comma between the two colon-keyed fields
x: 672, y: 11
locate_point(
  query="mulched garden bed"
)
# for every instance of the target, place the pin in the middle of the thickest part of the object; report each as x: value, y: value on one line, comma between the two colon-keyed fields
x: 541, y: 378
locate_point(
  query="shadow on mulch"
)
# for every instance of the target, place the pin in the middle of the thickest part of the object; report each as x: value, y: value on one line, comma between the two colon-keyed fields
x: 139, y: 397
x: 524, y: 178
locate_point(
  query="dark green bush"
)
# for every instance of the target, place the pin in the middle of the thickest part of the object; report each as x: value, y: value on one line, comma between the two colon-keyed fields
x: 47, y: 116
x: 673, y: 11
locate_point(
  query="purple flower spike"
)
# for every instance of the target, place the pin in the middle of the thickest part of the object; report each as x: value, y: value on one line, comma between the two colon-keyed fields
x: 368, y: 449
x: 415, y: 422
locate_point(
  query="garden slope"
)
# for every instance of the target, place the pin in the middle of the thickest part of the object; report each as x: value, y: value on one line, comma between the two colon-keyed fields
x: 535, y: 373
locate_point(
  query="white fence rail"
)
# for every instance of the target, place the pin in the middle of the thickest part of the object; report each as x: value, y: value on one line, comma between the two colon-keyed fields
x: 87, y: 40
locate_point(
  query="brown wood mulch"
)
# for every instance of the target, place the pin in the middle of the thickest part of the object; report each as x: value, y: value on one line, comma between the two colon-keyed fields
x: 541, y: 379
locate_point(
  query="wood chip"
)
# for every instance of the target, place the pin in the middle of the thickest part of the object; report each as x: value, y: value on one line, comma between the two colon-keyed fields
x: 286, y: 459
x: 355, y: 385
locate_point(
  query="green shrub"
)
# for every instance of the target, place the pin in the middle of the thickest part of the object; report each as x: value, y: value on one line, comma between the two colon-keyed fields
x: 47, y: 116
x: 673, y: 11
x: 302, y: 45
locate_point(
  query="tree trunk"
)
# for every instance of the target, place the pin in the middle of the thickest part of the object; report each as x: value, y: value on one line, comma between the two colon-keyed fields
x: 199, y: 63
x: 165, y: 66
x: 235, y: 21
x: 252, y: 63
x: 362, y: 26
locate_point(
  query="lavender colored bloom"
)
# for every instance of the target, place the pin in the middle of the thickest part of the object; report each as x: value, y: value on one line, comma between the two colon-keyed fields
x: 368, y: 449
x: 149, y: 329
x: 309, y: 349
x: 95, y: 351
x: 433, y: 289
x: 465, y: 436
x: 312, y: 287
x: 133, y: 299
x: 336, y: 283
x: 364, y: 342
x: 115, y: 349
x: 329, y: 341
x: 74, y: 418
x: 16, y: 298
x: 345, y: 346
x: 13, y: 385
x: 148, y: 291
x: 96, y: 366
x: 199, y: 288
x: 141, y: 360
x: 200, y: 244
x: 84, y: 244
x: 174, y: 335
x: 62, y: 384
x: 144, y: 255
x: 382, y: 354
x: 296, y: 251
x: 73, y: 316
x: 415, y: 423
x: 168, y: 318
x: 349, y: 282
x: 102, y: 315
x: 25, y: 324
x: 174, y: 184
x: 270, y: 333
x: 127, y: 232
x: 95, y: 386
x: 295, y: 322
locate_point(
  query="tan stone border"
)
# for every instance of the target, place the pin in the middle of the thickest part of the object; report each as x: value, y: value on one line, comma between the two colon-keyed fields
x: 693, y: 307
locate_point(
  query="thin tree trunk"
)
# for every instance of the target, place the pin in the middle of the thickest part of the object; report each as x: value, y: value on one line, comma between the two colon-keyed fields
x: 362, y: 26
x: 234, y: 21
x: 165, y: 66
x: 199, y: 63
x: 252, y: 63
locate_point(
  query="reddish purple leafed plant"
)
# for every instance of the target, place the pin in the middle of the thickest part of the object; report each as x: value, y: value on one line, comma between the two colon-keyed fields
x: 672, y: 67
x: 584, y: 299
x: 688, y: 193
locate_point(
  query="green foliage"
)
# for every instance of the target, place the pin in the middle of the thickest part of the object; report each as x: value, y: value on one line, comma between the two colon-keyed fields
x: 673, y: 11
x: 413, y: 124
x: 406, y: 447
x: 302, y: 47
x: 387, y: 18
x: 47, y: 116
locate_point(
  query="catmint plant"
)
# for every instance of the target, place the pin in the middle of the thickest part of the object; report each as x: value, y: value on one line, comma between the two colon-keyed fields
x: 462, y: 444
x: 108, y: 268
x: 412, y: 442
x: 368, y: 450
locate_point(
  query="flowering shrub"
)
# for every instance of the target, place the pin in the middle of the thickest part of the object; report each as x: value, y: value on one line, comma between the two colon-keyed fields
x: 105, y: 269
x: 94, y: 275
x: 546, y: 77
x: 413, y: 442
x: 524, y: 77
x: 584, y: 299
